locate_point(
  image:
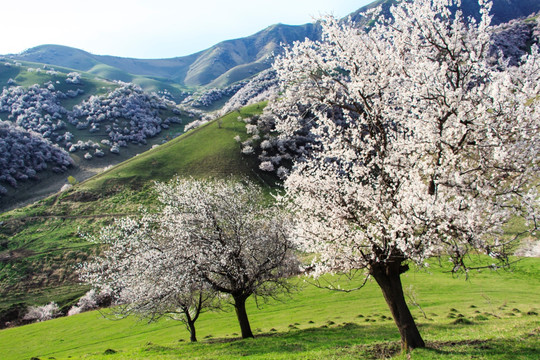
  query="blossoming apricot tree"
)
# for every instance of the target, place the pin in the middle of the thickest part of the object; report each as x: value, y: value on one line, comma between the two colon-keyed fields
x: 425, y: 145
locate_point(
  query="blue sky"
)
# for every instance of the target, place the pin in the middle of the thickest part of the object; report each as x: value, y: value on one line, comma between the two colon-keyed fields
x: 151, y: 28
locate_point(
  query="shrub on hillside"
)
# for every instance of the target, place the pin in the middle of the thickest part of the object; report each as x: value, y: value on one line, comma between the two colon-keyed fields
x: 42, y: 313
x: 91, y: 300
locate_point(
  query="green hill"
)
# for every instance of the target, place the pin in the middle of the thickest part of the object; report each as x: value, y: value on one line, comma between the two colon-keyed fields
x: 40, y: 243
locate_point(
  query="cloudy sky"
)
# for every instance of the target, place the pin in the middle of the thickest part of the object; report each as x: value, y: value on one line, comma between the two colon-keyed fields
x: 151, y: 28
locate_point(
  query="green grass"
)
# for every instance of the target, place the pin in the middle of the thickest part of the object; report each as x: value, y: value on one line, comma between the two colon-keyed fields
x: 208, y: 151
x: 316, y: 323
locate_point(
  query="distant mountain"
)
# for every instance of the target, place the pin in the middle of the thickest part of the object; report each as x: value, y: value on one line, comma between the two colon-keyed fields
x: 220, y: 65
x: 229, y: 61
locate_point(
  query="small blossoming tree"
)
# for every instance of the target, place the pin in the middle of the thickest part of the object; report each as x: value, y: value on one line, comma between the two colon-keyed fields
x: 141, y: 270
x: 425, y: 145
x: 210, y: 241
x: 236, y: 244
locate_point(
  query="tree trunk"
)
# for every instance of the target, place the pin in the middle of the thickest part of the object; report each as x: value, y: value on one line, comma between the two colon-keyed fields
x: 190, y: 321
x: 240, y: 307
x: 388, y: 276
x: 192, y: 333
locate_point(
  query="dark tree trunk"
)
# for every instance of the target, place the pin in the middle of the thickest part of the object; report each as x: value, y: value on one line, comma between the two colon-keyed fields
x: 388, y: 276
x: 192, y: 333
x: 240, y: 307
x: 190, y: 321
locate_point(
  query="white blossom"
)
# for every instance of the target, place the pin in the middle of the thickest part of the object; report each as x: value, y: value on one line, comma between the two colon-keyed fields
x: 211, y: 236
x: 424, y: 144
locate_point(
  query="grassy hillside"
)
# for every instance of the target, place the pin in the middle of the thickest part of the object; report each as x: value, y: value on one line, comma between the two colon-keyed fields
x: 91, y: 84
x: 39, y: 244
x: 493, y: 315
x: 208, y: 151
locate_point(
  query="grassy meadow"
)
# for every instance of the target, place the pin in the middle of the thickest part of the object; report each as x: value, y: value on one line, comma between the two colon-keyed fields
x: 491, y: 315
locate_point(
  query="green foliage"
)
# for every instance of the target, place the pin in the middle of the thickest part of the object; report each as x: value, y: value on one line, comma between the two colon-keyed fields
x: 72, y: 180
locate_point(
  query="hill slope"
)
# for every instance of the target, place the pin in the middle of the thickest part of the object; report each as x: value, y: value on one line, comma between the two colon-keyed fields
x: 39, y: 244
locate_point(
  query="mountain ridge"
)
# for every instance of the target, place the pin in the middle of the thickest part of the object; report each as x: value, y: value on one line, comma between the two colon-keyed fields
x: 232, y: 60
x: 210, y: 67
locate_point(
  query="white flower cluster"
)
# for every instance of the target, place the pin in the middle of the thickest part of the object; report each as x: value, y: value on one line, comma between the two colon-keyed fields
x: 36, y: 108
x: 42, y: 313
x: 424, y: 145
x: 25, y: 153
x: 73, y: 78
x: 208, y: 97
x: 515, y: 38
x: 127, y: 114
x: 91, y: 300
x: 262, y: 87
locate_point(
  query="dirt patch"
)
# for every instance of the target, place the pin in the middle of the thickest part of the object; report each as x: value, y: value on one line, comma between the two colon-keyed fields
x: 11, y: 255
x: 438, y: 345
x: 82, y: 196
x: 384, y: 350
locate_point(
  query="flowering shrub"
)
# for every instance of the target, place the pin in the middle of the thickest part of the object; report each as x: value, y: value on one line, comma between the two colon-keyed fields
x: 25, y: 153
x: 42, y: 313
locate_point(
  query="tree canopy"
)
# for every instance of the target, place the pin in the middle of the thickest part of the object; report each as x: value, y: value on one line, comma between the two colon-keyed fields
x: 425, y: 144
x: 210, y: 237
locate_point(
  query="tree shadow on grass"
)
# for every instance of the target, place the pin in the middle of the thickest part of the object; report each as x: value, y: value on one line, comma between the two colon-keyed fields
x: 355, y: 341
x: 350, y: 339
x: 524, y: 345
x: 517, y: 348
